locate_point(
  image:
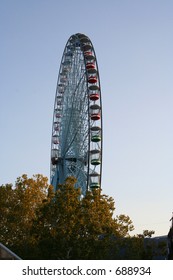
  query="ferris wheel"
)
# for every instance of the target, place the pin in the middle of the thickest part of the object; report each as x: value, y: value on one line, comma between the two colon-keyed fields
x: 76, y: 142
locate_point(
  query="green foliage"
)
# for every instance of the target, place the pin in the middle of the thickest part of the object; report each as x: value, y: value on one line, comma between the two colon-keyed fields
x: 146, y: 233
x: 76, y: 228
x: 18, y: 206
x: 38, y: 223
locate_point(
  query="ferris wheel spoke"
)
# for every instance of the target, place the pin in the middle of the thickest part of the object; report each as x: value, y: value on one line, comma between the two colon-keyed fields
x: 71, y: 107
x: 77, y: 128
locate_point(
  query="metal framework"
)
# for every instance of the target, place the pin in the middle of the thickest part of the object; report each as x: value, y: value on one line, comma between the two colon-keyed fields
x: 76, y: 142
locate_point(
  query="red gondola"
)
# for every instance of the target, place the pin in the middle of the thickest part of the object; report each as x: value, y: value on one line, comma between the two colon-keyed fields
x: 95, y: 117
x: 94, y: 96
x: 92, y: 79
x: 90, y: 65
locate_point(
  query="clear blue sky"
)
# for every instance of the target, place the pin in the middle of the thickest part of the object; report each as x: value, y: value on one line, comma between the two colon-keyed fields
x: 133, y: 40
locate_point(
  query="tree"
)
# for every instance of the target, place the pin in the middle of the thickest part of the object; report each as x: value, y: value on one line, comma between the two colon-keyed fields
x: 38, y: 223
x: 146, y: 233
x: 18, y: 206
x: 77, y: 228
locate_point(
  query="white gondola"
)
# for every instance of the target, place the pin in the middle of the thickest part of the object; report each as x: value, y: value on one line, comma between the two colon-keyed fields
x: 94, y: 180
x: 95, y: 157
